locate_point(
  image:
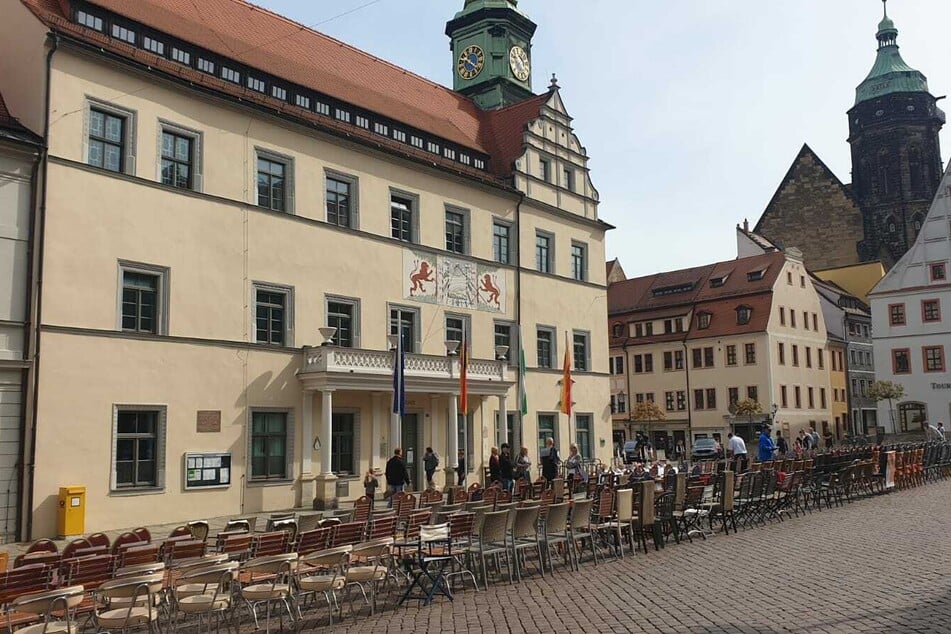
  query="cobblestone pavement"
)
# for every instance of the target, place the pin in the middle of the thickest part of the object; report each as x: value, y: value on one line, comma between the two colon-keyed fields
x: 876, y: 565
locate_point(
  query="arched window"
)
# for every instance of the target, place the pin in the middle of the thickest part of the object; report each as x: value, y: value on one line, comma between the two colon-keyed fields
x: 891, y: 225
x: 884, y: 187
x: 916, y: 222
x: 914, y: 168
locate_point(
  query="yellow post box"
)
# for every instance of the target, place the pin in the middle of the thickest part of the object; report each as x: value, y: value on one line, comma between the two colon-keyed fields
x: 71, y: 519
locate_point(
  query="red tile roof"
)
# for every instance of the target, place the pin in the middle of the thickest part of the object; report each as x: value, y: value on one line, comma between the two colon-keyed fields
x: 723, y: 316
x: 273, y: 44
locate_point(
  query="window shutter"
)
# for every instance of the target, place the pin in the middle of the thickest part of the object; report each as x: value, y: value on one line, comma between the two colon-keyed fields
x: 160, y: 447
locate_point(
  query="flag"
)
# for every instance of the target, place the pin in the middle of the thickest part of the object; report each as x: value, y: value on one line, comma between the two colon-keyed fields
x: 399, y: 378
x: 566, y: 380
x: 522, y: 392
x: 464, y: 376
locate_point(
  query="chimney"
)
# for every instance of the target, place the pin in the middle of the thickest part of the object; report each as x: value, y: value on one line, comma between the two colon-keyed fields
x: 746, y: 226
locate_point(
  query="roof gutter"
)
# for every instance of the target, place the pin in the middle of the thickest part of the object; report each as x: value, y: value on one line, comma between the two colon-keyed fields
x: 38, y: 283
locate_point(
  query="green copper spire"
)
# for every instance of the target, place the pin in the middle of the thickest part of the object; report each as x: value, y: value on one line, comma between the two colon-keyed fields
x: 890, y: 74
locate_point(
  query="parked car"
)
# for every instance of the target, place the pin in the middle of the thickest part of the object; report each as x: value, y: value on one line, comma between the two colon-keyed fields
x: 705, y: 449
x: 630, y: 451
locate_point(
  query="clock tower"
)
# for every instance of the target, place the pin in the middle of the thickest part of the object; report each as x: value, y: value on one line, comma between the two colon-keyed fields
x: 492, y: 52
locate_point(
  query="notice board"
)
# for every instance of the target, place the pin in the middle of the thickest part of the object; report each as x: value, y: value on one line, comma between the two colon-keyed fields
x: 207, y: 470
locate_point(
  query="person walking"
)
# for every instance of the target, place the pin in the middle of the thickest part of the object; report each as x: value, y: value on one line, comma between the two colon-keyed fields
x: 814, y: 437
x: 550, y: 460
x: 766, y: 446
x: 523, y: 465
x: 430, y: 462
x: 461, y: 469
x: 371, y: 483
x: 397, y: 476
x: 738, y: 448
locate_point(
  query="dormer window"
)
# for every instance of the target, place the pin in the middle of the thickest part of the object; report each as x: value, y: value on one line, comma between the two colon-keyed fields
x: 703, y: 320
x: 743, y: 314
x: 717, y: 282
x: 618, y: 330
x: 755, y: 276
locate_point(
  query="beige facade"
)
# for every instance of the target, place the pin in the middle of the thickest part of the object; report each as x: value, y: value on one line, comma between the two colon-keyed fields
x: 689, y: 350
x: 204, y: 385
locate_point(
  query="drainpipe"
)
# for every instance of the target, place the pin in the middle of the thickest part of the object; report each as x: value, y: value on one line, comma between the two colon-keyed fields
x: 689, y: 447
x: 518, y: 322
x: 38, y: 284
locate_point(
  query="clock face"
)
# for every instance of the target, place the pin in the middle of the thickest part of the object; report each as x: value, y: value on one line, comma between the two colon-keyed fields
x: 518, y: 60
x: 471, y: 62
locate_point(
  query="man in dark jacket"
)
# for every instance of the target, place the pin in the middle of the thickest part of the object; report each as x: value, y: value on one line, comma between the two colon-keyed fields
x: 506, y: 468
x: 550, y: 460
x: 396, y: 474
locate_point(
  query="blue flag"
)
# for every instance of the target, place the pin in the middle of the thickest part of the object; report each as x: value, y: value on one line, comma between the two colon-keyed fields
x: 399, y: 378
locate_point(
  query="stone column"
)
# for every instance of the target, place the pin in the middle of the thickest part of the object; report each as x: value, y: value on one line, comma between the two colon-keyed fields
x: 308, y: 490
x: 453, y: 430
x: 326, y: 482
x: 376, y: 429
x: 503, y: 423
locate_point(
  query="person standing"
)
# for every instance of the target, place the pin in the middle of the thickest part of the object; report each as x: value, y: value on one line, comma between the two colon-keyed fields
x: 574, y: 468
x: 461, y: 469
x: 766, y: 446
x: 828, y: 439
x: 397, y: 475
x: 781, y: 445
x: 494, y: 473
x: 370, y: 484
x: 550, y: 460
x: 738, y: 448
x: 430, y: 462
x: 814, y: 437
x: 523, y: 465
x: 506, y: 468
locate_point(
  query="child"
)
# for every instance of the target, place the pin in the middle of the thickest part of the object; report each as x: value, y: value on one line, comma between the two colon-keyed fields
x: 371, y: 483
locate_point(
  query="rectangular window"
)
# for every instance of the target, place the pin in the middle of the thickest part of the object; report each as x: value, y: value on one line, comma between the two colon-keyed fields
x: 342, y: 115
x: 269, y: 446
x: 708, y: 357
x: 638, y: 364
x: 930, y: 310
x: 668, y: 361
x: 402, y: 218
x: 731, y: 355
x: 812, y: 401
x: 455, y: 231
x: 400, y: 136
x: 206, y: 65
x: 343, y: 314
x: 153, y: 45
x: 782, y: 353
x: 449, y: 153
x: 681, y: 400
x: 272, y: 184
x: 569, y: 179
x: 501, y: 242
x: 750, y: 353
x: 795, y: 355
x: 808, y: 357
x: 783, y: 396
x: 465, y: 159
x: 432, y: 147
x: 802, y: 281
x: 255, y: 84
x: 617, y: 365
x: 416, y: 141
x: 142, y: 294
x: 343, y: 438
x: 455, y: 328
x: 546, y: 347
x: 815, y: 322
x: 938, y: 272
x: 404, y: 322
x: 230, y: 74
x: 546, y: 430
x: 139, y: 439
x: 733, y: 393
x: 798, y: 394
x: 752, y: 393
x: 543, y: 254
x: 697, y: 357
x: 805, y: 320
x: 580, y: 349
x: 789, y: 277
x: 711, y: 398
x: 271, y: 315
x: 322, y: 108
x: 782, y: 316
x: 479, y: 163
x: 698, y: 399
x: 544, y: 167
x: 820, y: 353
x: 362, y: 122
x: 678, y: 359
x: 182, y: 57
x: 89, y: 20
x: 934, y: 358
x: 669, y: 401
x: 579, y: 261
x: 124, y: 34
x: 822, y: 397
x: 303, y: 101
x: 792, y: 318
x: 279, y: 93
x: 341, y: 200
x: 381, y: 128
x: 107, y: 140
x: 178, y: 160
x: 583, y: 430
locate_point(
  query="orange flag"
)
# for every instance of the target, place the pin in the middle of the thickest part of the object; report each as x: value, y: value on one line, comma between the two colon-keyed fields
x: 566, y: 381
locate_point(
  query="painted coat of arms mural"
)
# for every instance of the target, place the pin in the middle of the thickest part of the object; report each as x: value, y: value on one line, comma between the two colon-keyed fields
x: 452, y: 282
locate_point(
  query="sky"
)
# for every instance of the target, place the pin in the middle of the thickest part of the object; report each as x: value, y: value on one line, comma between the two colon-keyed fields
x: 691, y: 110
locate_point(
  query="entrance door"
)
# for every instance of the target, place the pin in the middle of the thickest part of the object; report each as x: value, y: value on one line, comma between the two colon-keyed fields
x: 10, y: 419
x: 412, y: 452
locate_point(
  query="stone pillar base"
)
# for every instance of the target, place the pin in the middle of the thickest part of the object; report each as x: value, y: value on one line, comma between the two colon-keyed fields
x: 308, y: 490
x: 325, y: 492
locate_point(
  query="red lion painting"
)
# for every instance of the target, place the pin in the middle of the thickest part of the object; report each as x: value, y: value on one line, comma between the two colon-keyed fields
x: 422, y: 273
x: 489, y: 287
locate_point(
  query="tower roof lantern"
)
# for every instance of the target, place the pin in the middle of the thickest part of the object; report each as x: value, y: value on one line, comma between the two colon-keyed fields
x: 890, y: 74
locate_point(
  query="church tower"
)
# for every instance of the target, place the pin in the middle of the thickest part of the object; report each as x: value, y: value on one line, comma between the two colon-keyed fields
x: 896, y: 157
x: 492, y: 52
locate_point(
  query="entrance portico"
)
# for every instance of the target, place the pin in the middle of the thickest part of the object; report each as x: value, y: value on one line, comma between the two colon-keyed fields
x: 368, y: 374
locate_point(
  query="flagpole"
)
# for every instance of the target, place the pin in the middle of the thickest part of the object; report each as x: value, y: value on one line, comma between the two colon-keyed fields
x: 567, y: 389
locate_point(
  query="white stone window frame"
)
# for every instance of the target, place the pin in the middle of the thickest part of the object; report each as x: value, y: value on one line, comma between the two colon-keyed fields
x: 198, y: 146
x: 417, y: 325
x: 551, y: 251
x: 466, y: 227
x: 160, y: 449
x: 553, y: 358
x: 164, y: 274
x: 466, y: 328
x: 131, y: 127
x: 512, y: 356
x: 590, y: 431
x: 288, y: 292
x: 289, y: 177
x: 355, y: 317
x: 354, y: 182
x: 512, y: 238
x: 414, y: 201
x: 290, y: 449
x: 555, y: 416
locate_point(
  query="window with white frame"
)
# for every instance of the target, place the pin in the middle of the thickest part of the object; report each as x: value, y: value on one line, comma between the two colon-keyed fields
x: 432, y: 147
x: 206, y: 65
x: 403, y: 217
x: 110, y: 138
x: 416, y: 141
x: 381, y: 128
x: 581, y: 345
x: 583, y: 435
x: 303, y: 101
x: 579, y: 261
x: 362, y: 122
x: 138, y: 447
x: 153, y: 45
x: 273, y: 311
x: 122, y: 33
x: 343, y: 313
x: 547, y: 428
x: 279, y: 93
x: 322, y: 108
x: 479, y: 163
x: 342, y: 115
x: 457, y: 327
x: 182, y: 57
x: 255, y: 84
x: 404, y: 322
x: 545, y: 347
x: 505, y: 336
x: 87, y: 19
x: 143, y: 298
x: 230, y: 74
x: 399, y: 135
x: 179, y: 160
x: 456, y: 237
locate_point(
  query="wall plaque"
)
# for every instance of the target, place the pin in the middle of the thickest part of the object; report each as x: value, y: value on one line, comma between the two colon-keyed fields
x: 209, y: 421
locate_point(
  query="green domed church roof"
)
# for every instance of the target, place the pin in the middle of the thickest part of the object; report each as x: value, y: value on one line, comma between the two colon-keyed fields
x: 890, y: 74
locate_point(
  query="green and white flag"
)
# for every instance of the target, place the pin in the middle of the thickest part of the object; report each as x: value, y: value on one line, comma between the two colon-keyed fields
x: 522, y: 392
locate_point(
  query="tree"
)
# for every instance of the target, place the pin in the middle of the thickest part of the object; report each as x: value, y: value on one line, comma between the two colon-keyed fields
x: 887, y: 391
x: 647, y: 412
x: 748, y: 407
